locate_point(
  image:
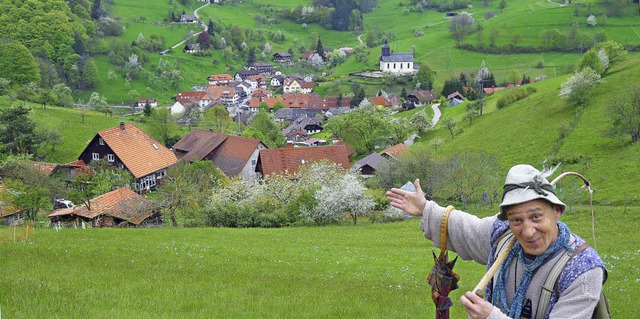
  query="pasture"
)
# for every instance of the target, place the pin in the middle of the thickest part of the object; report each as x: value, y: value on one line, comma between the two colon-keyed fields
x: 363, y: 271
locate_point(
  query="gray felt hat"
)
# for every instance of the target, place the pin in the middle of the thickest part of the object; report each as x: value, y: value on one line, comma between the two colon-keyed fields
x: 525, y: 183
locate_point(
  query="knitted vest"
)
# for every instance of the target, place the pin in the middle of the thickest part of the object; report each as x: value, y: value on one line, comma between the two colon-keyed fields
x: 584, y: 261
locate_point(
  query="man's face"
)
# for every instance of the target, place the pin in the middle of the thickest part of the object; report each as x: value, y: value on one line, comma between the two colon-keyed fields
x: 534, y: 223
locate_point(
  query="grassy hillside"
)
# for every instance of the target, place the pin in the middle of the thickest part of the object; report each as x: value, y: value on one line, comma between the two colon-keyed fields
x: 521, y: 23
x: 526, y: 132
x: 365, y: 271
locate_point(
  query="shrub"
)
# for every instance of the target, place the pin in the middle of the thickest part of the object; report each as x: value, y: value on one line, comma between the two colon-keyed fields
x: 392, y: 214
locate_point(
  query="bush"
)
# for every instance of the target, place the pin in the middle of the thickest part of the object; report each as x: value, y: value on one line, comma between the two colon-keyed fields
x: 392, y: 214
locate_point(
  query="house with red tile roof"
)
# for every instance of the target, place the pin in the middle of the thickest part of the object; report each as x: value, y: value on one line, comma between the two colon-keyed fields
x: 296, y: 85
x: 289, y: 159
x: 67, y: 171
x: 254, y: 103
x: 394, y: 151
x: 119, y: 208
x: 202, y: 99
x: 224, y: 95
x: 233, y: 155
x: 129, y: 148
x: 220, y: 79
x: 385, y: 101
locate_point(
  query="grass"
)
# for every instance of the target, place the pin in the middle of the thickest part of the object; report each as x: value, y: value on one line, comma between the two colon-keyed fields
x: 364, y: 271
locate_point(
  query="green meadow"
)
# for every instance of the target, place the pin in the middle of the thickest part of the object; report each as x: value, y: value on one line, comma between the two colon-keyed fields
x: 346, y: 271
x: 521, y: 24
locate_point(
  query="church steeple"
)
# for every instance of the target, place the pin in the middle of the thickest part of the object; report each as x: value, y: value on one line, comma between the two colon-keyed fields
x: 385, y: 48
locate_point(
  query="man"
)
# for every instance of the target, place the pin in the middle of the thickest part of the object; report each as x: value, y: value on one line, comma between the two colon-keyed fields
x: 531, y: 211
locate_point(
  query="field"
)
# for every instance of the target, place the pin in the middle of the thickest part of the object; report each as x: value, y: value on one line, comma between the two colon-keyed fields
x: 364, y: 271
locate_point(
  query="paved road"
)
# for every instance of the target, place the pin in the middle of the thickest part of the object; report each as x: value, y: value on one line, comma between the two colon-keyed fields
x: 204, y: 27
x: 436, y: 114
x: 436, y: 117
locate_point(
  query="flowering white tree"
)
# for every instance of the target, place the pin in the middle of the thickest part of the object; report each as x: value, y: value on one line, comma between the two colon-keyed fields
x: 577, y: 89
x: 316, y: 60
x: 591, y: 21
x: 345, y: 197
x: 604, y: 59
x: 267, y: 47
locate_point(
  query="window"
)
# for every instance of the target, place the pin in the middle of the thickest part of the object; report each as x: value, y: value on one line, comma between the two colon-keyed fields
x: 95, y: 156
x: 110, y: 157
x: 101, y: 141
x: 253, y: 163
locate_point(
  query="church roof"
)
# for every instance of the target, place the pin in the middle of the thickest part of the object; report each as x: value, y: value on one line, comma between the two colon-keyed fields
x: 397, y: 57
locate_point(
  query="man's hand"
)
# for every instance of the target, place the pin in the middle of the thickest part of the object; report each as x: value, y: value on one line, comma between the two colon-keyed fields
x: 411, y: 202
x: 477, y: 308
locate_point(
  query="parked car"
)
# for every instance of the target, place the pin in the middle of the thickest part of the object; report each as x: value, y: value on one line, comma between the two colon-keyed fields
x: 62, y: 203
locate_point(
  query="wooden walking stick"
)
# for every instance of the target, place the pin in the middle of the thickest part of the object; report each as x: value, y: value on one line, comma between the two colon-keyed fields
x: 482, y: 285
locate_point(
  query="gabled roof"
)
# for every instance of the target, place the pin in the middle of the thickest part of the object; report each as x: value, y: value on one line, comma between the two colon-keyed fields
x: 384, y: 101
x: 395, y: 150
x: 139, y: 152
x: 78, y: 166
x: 373, y: 160
x: 289, y: 160
x: 397, y: 57
x: 422, y: 95
x: 122, y: 203
x: 229, y: 153
x: 456, y: 95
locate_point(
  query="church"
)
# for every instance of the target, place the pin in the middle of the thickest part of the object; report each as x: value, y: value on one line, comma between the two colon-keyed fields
x: 396, y: 63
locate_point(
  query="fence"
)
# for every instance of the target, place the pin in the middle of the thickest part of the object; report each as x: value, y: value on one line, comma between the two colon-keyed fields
x: 16, y: 233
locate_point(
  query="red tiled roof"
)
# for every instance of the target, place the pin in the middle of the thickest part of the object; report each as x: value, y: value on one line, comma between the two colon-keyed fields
x: 350, y: 150
x: 139, y: 152
x: 281, y: 160
x: 395, y: 150
x: 122, y: 203
x: 271, y: 101
x: 45, y: 168
x: 221, y: 77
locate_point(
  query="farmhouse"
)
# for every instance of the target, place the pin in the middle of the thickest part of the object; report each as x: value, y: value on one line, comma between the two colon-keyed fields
x: 188, y: 18
x: 262, y: 67
x: 119, y: 208
x: 395, y: 63
x: 131, y: 149
x: 233, y: 155
x: 420, y: 97
x: 191, y: 48
x: 282, y: 57
x: 142, y: 102
x: 302, y: 127
x: 296, y: 85
x: 369, y: 165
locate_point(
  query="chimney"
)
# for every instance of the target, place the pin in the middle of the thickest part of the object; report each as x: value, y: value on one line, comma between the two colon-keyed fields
x: 122, y: 126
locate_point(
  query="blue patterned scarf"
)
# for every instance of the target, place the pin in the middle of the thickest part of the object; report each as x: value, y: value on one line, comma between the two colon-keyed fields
x: 500, y: 295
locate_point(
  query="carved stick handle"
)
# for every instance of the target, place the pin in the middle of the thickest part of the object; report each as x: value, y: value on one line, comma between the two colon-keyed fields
x: 480, y: 287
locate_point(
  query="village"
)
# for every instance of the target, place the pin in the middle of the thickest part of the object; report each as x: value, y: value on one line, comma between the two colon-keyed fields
x: 243, y: 95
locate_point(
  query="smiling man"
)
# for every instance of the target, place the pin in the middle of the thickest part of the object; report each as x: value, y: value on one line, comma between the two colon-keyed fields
x: 530, y: 211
